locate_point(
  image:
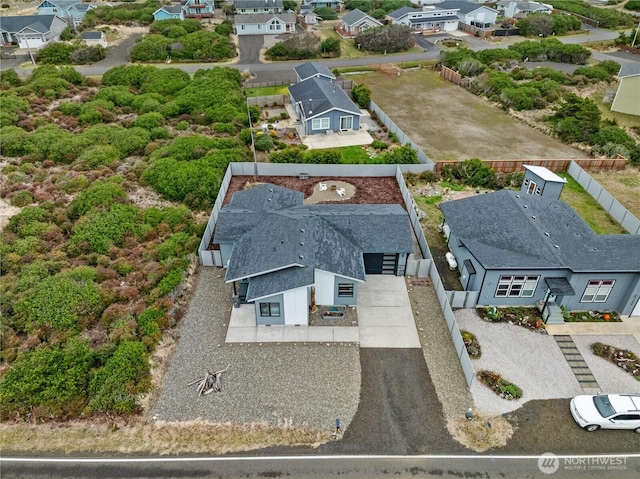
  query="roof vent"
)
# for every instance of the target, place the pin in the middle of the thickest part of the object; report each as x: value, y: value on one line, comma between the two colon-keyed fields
x: 268, y: 199
x: 526, y: 206
x: 301, y: 256
x: 301, y: 243
x: 546, y: 234
x: 517, y: 196
x: 533, y: 217
x: 556, y: 246
x: 301, y: 230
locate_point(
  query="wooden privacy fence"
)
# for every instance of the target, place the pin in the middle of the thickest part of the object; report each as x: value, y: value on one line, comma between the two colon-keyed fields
x: 515, y: 166
x: 450, y: 75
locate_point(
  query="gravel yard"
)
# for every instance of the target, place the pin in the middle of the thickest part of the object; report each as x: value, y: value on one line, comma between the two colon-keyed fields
x: 292, y: 384
x: 531, y: 360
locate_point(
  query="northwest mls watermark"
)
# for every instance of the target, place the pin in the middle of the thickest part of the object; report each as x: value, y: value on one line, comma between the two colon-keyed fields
x: 549, y: 463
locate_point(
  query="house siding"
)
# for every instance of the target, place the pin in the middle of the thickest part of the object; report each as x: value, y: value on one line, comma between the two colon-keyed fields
x: 345, y: 301
x: 325, y: 285
x: 264, y: 320
x: 225, y: 252
x: 626, y: 99
x: 162, y: 15
x: 334, y: 122
x: 296, y: 306
x: 487, y: 296
x: 617, y: 300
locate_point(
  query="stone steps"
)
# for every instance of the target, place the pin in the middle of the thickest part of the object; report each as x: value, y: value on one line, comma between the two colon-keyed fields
x: 576, y: 362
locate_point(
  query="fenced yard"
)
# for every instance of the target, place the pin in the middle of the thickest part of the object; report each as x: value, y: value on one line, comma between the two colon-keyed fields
x: 450, y: 123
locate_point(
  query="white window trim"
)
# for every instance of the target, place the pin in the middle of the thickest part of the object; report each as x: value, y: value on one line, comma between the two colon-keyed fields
x: 595, y: 289
x: 517, y: 286
x: 321, y: 123
x: 347, y: 116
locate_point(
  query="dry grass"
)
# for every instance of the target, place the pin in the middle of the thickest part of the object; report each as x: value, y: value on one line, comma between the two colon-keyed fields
x: 623, y: 185
x: 482, y: 432
x: 157, y: 438
x: 450, y: 123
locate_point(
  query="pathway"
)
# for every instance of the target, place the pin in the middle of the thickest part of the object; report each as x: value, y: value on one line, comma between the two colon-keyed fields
x: 576, y: 362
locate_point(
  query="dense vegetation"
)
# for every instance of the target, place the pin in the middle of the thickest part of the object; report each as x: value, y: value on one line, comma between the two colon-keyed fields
x: 302, y: 47
x: 606, y: 18
x: 377, y: 8
x: 74, y: 53
x: 184, y: 40
x: 495, y: 74
x: 399, y: 155
x: 385, y: 39
x: 126, y: 13
x: 90, y: 273
x: 543, y: 24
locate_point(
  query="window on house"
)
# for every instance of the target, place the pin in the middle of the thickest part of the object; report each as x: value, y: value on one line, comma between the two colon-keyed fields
x: 517, y: 286
x: 320, y: 124
x: 597, y: 291
x: 532, y: 188
x: 345, y: 290
x: 259, y: 27
x: 241, y: 27
x: 269, y: 309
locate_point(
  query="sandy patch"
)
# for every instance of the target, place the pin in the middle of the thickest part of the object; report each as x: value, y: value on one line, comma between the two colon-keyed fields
x: 6, y: 212
x: 320, y: 194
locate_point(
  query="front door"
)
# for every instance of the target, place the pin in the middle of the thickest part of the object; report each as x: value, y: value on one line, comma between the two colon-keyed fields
x: 346, y: 123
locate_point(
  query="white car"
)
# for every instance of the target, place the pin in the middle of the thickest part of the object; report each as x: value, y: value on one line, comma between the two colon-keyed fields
x: 607, y: 411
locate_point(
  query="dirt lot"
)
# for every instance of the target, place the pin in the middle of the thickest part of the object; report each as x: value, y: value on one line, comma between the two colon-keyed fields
x: 449, y: 123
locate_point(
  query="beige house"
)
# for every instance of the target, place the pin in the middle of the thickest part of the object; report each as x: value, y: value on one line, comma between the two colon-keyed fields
x: 94, y: 38
x: 628, y: 94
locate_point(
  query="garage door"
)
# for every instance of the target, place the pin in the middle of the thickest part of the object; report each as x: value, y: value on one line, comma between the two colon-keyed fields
x: 380, y: 263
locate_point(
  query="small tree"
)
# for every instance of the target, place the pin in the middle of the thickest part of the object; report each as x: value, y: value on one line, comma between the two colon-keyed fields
x: 326, y: 13
x: 361, y: 95
x: 385, y: 39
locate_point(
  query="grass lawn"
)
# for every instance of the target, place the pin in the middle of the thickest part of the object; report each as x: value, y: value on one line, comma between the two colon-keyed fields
x: 623, y: 185
x: 267, y: 90
x: 588, y: 208
x: 621, y: 119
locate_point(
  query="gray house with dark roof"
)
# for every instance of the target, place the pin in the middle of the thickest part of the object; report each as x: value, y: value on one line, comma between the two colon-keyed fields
x: 357, y: 21
x: 312, y: 69
x: 282, y: 255
x: 428, y: 18
x: 322, y: 106
x: 31, y: 31
x: 521, y: 248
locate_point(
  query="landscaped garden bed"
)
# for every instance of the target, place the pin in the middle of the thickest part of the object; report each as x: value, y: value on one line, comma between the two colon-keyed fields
x: 623, y: 358
x: 529, y: 318
x: 471, y: 344
x: 591, y: 316
x: 499, y: 385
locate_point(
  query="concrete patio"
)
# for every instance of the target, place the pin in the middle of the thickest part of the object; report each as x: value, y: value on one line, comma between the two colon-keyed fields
x: 385, y: 320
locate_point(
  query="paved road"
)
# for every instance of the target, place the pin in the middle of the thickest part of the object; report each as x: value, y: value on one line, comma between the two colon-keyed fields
x: 347, y: 467
x: 119, y: 54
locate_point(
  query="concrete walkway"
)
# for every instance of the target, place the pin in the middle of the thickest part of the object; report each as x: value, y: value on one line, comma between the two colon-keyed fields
x: 385, y: 320
x: 630, y: 325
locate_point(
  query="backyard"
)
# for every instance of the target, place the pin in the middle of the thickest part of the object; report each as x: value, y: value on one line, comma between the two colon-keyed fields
x: 475, y: 128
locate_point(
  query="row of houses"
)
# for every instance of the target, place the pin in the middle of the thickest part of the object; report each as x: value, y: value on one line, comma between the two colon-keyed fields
x: 513, y: 248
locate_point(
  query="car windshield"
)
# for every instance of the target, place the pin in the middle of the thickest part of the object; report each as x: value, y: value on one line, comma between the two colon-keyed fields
x: 603, y: 405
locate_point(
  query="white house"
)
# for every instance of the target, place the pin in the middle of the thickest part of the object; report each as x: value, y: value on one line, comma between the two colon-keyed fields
x: 31, y: 31
x: 428, y: 18
x: 356, y: 21
x: 94, y: 38
x: 472, y: 14
x: 513, y: 8
x: 251, y: 7
x: 265, y: 24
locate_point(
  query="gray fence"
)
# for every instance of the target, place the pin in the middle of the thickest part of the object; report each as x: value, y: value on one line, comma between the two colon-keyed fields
x: 605, y: 199
x: 462, y: 299
x: 392, y: 127
x: 208, y: 257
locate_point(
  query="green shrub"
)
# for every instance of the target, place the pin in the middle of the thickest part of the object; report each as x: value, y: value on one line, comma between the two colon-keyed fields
x: 166, y: 82
x: 99, y: 230
x: 101, y: 193
x: 99, y: 155
x: 379, y: 145
x: 21, y: 198
x: 149, y: 120
x: 149, y: 323
x: 113, y: 387
x: 471, y: 172
x: 401, y: 155
x: 128, y: 75
x: 14, y: 141
x: 225, y: 28
x: 52, y: 379
x: 326, y: 13
x: 170, y: 281
x: 119, y: 95
x: 182, y: 125
x: 385, y: 39
x: 263, y: 143
x: 56, y: 53
x: 361, y: 95
x: 12, y: 107
x: 63, y: 301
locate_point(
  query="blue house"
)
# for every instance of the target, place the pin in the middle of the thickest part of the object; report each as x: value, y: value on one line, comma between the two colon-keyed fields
x: 197, y: 9
x: 285, y: 256
x: 333, y: 4
x: 250, y: 7
x: 528, y: 248
x: 322, y: 106
x: 73, y: 11
x: 169, y: 12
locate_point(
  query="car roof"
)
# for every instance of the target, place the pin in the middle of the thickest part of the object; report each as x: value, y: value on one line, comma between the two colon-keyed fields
x: 624, y: 402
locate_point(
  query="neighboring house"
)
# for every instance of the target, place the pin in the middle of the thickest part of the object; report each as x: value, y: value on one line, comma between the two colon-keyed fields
x: 356, y: 21
x: 249, y: 7
x: 31, y: 31
x: 471, y: 13
x: 73, y: 10
x: 313, y: 70
x: 627, y: 99
x: 169, y: 12
x: 286, y: 257
x: 430, y: 18
x: 197, y: 9
x: 310, y: 18
x: 333, y: 4
x: 511, y: 8
x: 322, y: 106
x: 526, y: 248
x: 94, y: 38
x: 265, y: 24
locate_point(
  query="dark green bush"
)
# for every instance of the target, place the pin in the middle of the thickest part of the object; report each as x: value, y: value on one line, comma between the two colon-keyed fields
x: 326, y: 13
x: 361, y: 95
x: 263, y: 143
x: 13, y: 107
x: 101, y: 194
x: 385, y: 39
x: 149, y: 120
x: 472, y: 172
x: 99, y: 230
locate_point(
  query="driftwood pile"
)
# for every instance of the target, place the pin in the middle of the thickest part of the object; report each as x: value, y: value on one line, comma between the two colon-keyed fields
x: 210, y: 383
